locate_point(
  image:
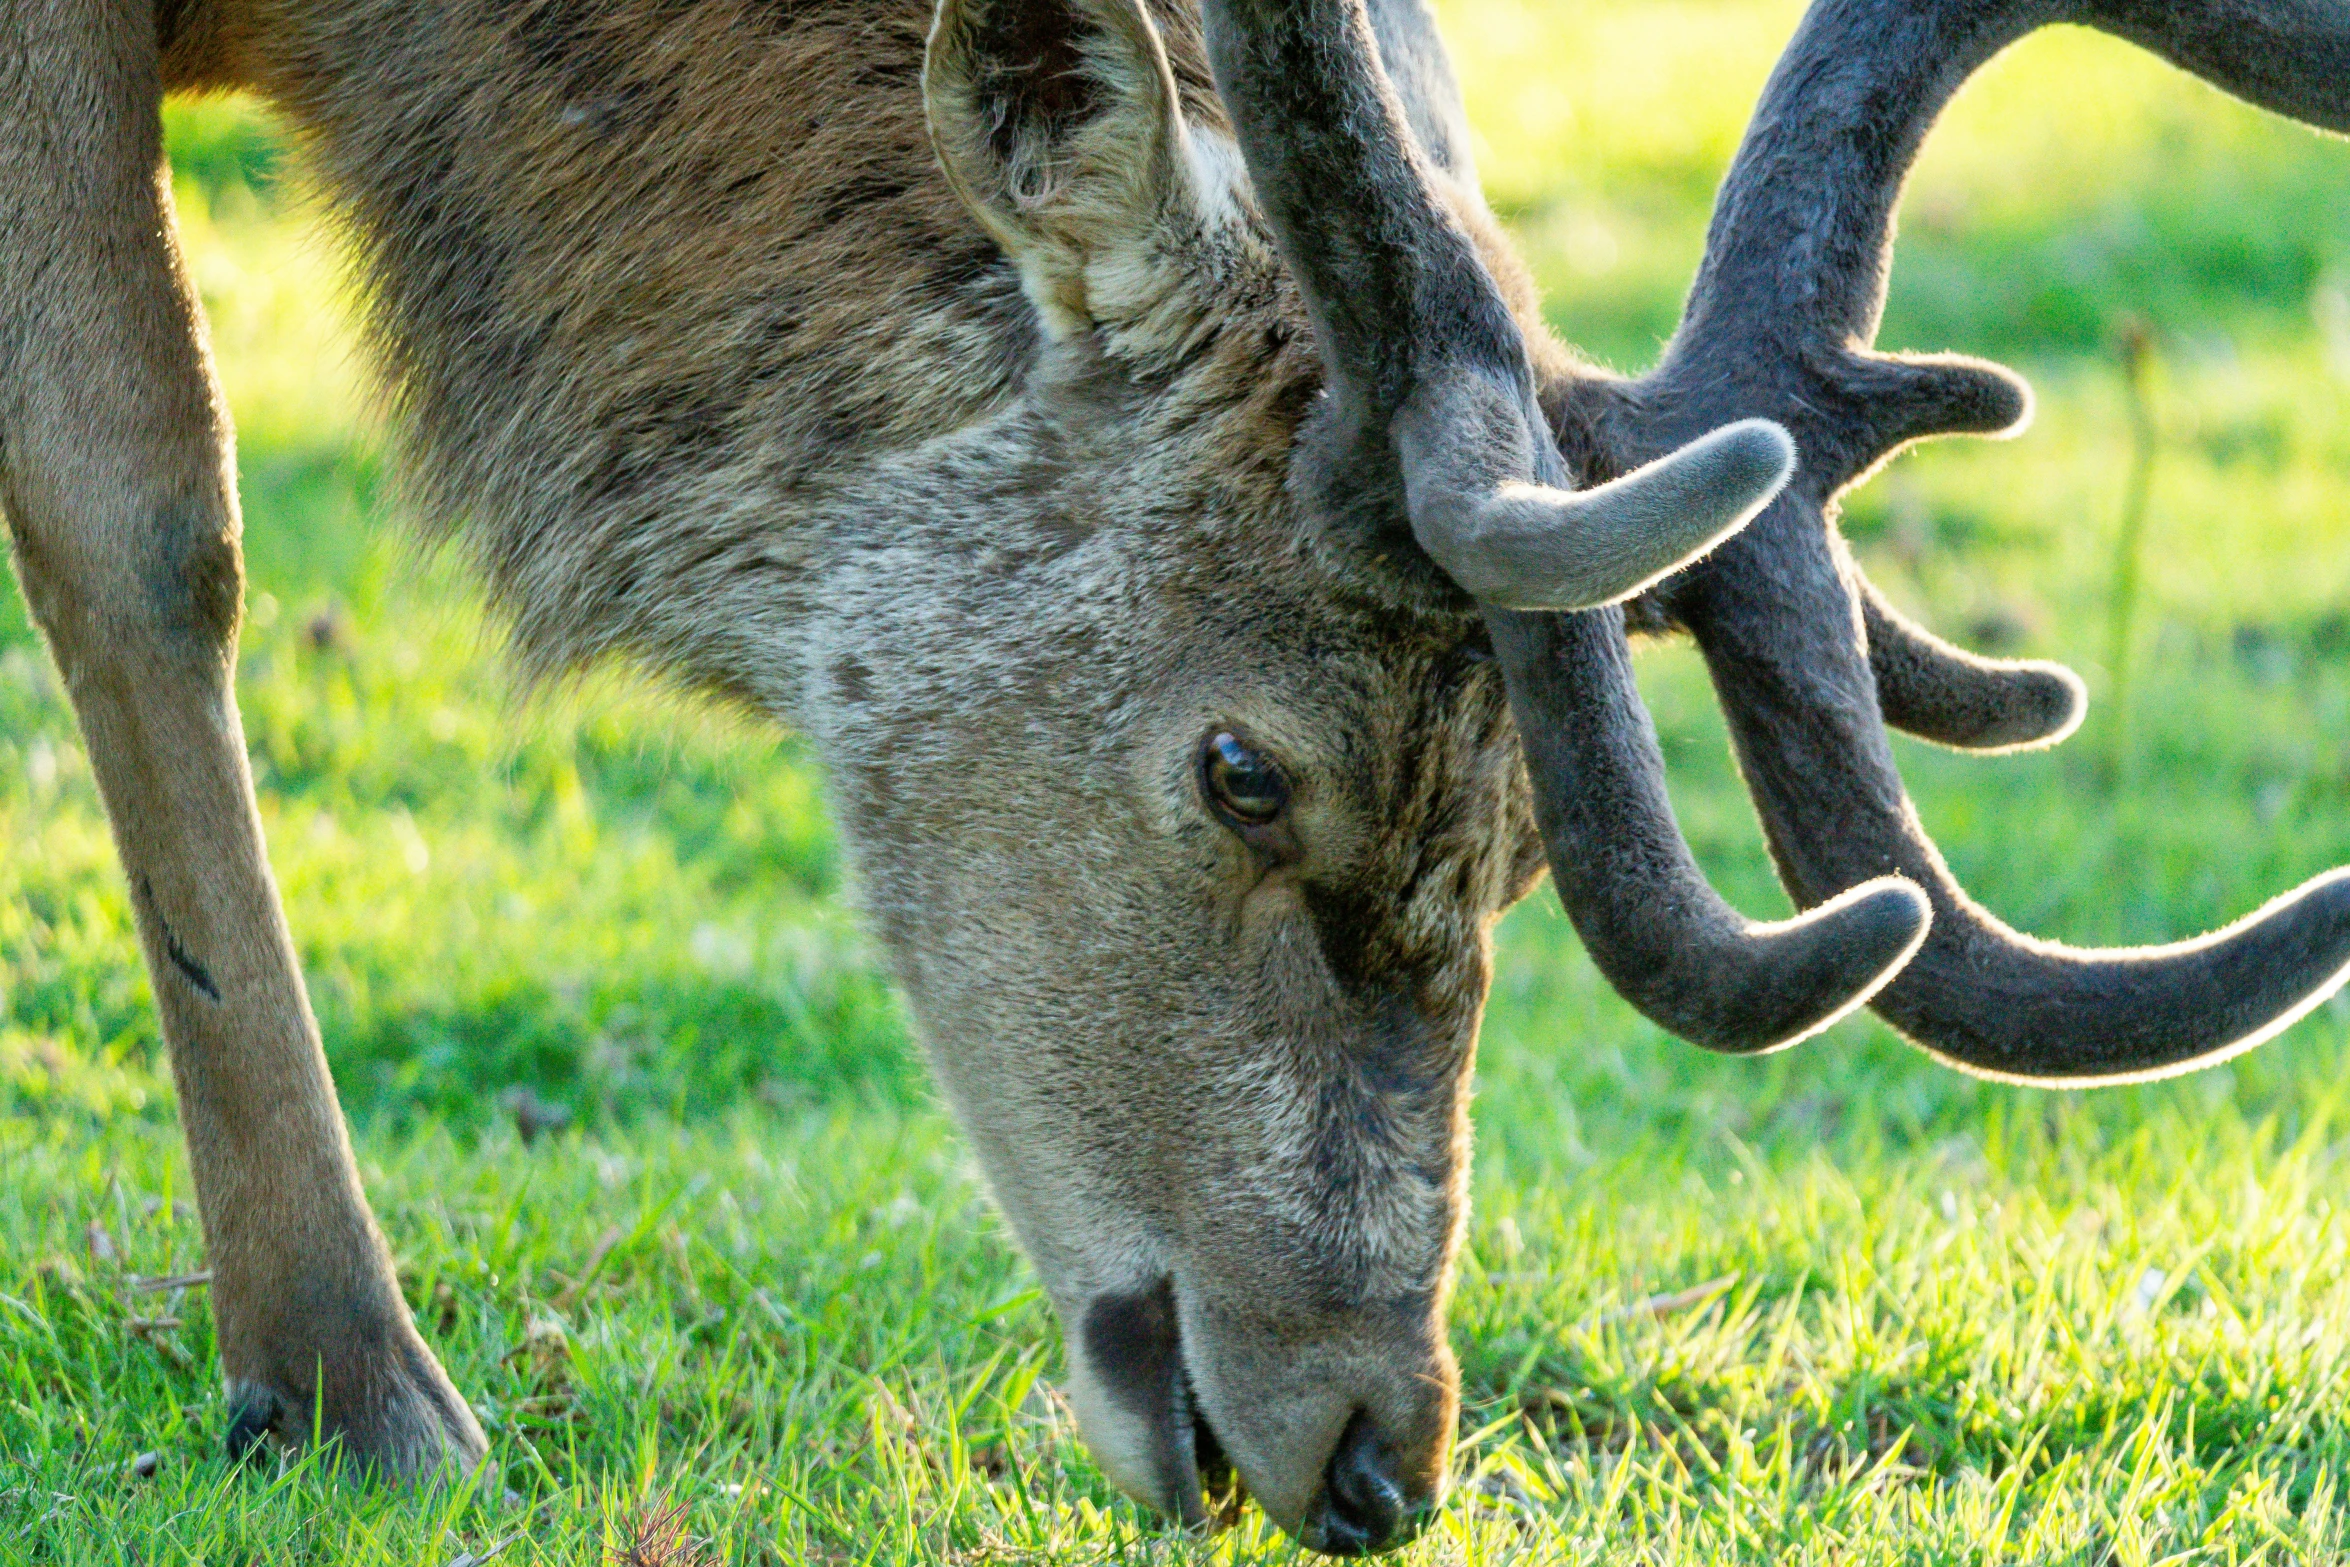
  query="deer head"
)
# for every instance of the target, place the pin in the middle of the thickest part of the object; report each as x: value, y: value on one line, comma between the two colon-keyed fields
x: 1305, y: 648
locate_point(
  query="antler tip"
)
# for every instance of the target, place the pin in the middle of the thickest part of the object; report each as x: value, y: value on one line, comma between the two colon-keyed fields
x: 1883, y: 923
x: 1526, y: 546
x: 1860, y: 941
x: 1962, y: 395
x: 2058, y: 700
x: 2044, y: 703
x: 1753, y: 458
x: 1811, y: 972
x: 2261, y: 975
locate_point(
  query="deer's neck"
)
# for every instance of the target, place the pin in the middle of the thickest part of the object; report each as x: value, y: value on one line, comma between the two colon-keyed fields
x: 650, y: 281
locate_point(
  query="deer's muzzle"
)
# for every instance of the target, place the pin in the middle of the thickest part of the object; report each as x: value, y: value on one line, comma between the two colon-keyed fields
x: 1341, y: 1440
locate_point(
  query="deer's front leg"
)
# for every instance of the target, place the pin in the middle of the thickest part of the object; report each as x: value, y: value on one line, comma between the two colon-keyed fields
x: 116, y: 481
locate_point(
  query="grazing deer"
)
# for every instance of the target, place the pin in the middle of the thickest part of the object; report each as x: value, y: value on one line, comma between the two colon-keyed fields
x: 1125, y: 444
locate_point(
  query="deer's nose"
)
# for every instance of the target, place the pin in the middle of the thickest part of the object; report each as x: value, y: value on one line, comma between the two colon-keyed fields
x: 1365, y: 1506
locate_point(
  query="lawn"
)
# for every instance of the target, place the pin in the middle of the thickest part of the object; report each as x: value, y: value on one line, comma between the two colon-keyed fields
x: 1837, y: 1305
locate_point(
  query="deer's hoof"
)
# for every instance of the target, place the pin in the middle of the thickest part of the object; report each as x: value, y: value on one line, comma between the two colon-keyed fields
x: 392, y: 1414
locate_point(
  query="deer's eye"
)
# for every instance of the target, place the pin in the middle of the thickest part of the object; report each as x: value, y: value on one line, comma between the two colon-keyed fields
x: 1244, y: 785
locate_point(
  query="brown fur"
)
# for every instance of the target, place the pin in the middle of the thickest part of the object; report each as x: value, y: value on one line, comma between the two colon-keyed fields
x: 709, y: 365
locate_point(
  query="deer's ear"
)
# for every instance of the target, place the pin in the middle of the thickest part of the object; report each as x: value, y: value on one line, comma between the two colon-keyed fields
x: 1059, y: 124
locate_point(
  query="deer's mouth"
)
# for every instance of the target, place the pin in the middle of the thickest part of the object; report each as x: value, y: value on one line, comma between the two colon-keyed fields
x: 1214, y: 1484
x: 1134, y: 1349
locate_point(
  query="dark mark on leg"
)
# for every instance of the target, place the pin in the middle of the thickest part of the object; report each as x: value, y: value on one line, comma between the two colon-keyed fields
x: 182, y: 959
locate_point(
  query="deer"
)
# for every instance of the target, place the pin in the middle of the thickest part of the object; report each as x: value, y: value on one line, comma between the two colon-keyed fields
x: 1118, y: 434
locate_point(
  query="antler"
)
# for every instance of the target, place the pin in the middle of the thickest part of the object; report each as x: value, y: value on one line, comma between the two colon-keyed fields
x: 1809, y: 662
x: 1431, y: 420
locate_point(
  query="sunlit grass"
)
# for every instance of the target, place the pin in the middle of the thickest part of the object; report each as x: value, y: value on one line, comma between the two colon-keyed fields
x: 1836, y: 1305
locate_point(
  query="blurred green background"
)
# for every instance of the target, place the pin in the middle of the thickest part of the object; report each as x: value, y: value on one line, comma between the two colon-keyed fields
x: 632, y: 908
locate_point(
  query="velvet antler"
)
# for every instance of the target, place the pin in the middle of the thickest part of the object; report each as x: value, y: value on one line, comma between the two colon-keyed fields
x: 1809, y: 662
x: 1432, y: 419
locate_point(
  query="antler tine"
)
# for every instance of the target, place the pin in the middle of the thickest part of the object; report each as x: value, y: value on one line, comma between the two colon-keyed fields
x: 1433, y: 416
x: 1952, y: 697
x: 1778, y: 323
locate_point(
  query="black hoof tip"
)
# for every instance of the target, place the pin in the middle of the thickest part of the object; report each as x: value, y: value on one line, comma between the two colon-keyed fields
x: 255, y: 1417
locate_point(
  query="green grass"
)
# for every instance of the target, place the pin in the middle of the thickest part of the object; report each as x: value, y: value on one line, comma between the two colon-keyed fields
x: 1837, y: 1305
